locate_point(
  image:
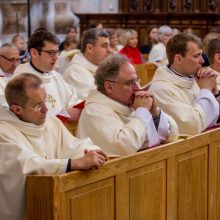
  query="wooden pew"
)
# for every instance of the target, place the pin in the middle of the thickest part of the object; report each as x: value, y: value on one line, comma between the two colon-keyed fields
x: 145, y: 72
x: 176, y: 181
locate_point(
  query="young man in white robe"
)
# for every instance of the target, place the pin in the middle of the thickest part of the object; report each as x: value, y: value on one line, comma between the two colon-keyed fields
x: 118, y: 116
x: 184, y: 89
x: 32, y: 142
x: 43, y: 47
x: 95, y: 47
x: 9, y: 60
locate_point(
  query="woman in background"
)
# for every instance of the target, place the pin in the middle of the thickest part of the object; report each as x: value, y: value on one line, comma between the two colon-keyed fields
x: 129, y: 39
x: 151, y: 39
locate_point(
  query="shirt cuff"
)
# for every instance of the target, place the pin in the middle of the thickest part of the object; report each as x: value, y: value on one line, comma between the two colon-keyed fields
x: 68, y: 168
x: 164, y: 127
x: 144, y: 115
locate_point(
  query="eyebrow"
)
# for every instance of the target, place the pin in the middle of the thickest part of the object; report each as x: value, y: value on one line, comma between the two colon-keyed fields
x: 197, y: 53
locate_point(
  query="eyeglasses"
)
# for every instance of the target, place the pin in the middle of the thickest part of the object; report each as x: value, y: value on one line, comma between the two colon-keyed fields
x: 51, y: 53
x: 128, y: 83
x: 11, y: 60
x: 38, y: 107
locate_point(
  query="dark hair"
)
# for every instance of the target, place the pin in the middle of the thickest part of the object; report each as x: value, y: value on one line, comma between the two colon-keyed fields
x: 40, y: 29
x: 68, y: 42
x: 94, y: 23
x: 149, y: 29
x: 109, y: 69
x: 15, y: 90
x: 38, y: 39
x: 91, y: 37
x: 178, y: 45
x: 69, y: 28
x: 213, y: 48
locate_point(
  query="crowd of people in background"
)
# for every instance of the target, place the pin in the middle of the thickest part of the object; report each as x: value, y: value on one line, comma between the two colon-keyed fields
x: 93, y: 83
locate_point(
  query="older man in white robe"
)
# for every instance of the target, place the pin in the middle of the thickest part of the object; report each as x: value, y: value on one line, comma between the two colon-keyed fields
x: 9, y: 60
x: 95, y: 47
x: 121, y: 118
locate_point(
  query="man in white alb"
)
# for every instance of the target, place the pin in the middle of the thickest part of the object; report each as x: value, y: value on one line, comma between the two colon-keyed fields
x: 185, y: 90
x: 118, y: 116
x: 95, y: 47
x: 9, y: 60
x: 43, y: 47
x: 33, y: 143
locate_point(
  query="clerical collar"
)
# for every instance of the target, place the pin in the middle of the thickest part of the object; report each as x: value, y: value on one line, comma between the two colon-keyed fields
x: 180, y: 75
x: 36, y: 68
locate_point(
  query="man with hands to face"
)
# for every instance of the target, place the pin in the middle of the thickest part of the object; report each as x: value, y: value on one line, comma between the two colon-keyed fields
x: 118, y: 116
x: 184, y: 89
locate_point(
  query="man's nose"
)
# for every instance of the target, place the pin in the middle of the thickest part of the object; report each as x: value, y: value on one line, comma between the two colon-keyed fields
x: 44, y: 108
x: 136, y: 86
x: 201, y: 60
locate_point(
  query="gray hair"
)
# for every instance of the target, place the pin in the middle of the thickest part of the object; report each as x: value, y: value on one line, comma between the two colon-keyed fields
x: 109, y: 69
x: 91, y: 37
x: 126, y: 35
x: 162, y: 30
x: 7, y: 46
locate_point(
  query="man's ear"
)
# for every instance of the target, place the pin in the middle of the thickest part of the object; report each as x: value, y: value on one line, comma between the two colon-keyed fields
x: 89, y: 48
x: 217, y: 58
x: 34, y: 52
x: 108, y: 87
x: 178, y: 58
x: 16, y: 109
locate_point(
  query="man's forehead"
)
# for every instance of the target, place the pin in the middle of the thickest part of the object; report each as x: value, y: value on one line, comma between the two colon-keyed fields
x: 34, y: 93
x: 193, y: 46
x: 50, y: 44
x: 126, y: 70
x: 9, y: 50
x: 102, y: 39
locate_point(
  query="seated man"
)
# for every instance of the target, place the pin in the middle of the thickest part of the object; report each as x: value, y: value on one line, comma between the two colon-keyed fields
x: 43, y: 47
x: 34, y: 143
x: 9, y: 60
x: 80, y: 74
x: 119, y: 117
x: 192, y: 105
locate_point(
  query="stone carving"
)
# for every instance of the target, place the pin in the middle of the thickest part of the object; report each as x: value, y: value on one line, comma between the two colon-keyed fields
x: 134, y: 5
x: 14, y: 18
x: 188, y: 4
x: 148, y: 5
x: 212, y: 5
x: 172, y: 4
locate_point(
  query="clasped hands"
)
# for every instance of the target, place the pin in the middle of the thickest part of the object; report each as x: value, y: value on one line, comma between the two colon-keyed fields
x: 206, y: 79
x: 146, y: 100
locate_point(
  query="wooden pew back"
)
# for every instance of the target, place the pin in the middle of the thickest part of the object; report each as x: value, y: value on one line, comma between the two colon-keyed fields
x: 145, y: 72
x: 175, y: 181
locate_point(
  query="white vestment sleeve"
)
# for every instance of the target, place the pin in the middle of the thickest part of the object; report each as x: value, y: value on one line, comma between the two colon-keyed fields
x: 164, y: 127
x: 210, y: 105
x: 146, y: 117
